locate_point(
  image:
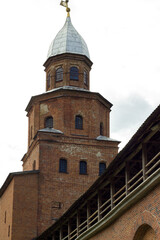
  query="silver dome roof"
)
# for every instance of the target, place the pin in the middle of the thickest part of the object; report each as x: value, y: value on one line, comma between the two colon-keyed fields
x: 68, y: 40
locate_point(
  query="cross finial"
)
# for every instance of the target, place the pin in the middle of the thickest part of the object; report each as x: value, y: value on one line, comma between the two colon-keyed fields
x: 65, y: 4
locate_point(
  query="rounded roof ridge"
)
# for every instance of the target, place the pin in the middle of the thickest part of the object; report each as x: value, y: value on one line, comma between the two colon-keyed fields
x: 68, y: 40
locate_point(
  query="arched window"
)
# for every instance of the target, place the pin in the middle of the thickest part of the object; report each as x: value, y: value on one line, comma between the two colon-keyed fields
x: 63, y: 165
x: 101, y: 129
x: 49, y: 122
x: 145, y: 232
x: 85, y: 78
x: 74, y: 73
x: 79, y: 122
x: 59, y: 74
x: 83, y: 167
x: 48, y: 80
x: 102, y: 168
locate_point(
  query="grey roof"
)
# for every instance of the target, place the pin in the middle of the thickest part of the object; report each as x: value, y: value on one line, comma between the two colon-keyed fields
x: 53, y: 130
x: 68, y: 88
x: 68, y: 40
x: 104, y: 138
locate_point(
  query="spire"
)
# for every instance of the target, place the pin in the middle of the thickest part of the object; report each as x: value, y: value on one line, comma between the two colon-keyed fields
x: 68, y: 62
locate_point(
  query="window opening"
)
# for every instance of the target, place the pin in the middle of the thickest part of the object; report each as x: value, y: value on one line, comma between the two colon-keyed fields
x: 59, y: 74
x: 79, y: 122
x: 31, y: 132
x: 49, y: 122
x: 34, y: 165
x: 85, y: 78
x: 5, y: 217
x: 83, y: 167
x: 74, y: 73
x: 102, y: 168
x: 9, y: 231
x: 63, y: 165
x: 48, y: 80
x: 101, y: 129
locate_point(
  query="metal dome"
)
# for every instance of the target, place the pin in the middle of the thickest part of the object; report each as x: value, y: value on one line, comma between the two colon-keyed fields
x: 68, y: 40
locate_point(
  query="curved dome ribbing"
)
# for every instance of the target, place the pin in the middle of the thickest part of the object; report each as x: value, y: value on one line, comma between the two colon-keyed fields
x: 68, y: 40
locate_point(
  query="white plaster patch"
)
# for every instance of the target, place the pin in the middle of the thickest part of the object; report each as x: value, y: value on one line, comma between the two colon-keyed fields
x: 43, y: 109
x: 98, y: 154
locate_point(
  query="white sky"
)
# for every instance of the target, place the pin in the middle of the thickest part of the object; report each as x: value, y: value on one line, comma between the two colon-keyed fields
x: 123, y: 37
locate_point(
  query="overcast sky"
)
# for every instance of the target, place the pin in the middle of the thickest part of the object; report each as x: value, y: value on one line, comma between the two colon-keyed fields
x: 123, y: 37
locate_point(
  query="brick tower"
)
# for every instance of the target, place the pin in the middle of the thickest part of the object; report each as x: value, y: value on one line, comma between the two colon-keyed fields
x: 69, y: 142
x: 68, y: 130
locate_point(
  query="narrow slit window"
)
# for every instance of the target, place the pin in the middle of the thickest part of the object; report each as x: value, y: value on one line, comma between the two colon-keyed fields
x: 85, y: 78
x: 5, y: 217
x: 9, y: 231
x: 34, y: 165
x: 48, y: 81
x: 31, y: 133
x: 101, y: 129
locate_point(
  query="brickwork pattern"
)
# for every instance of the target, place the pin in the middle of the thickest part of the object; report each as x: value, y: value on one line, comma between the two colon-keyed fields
x: 6, y: 213
x: 65, y: 188
x: 145, y: 212
x: 58, y: 191
x: 63, y: 106
x: 19, y: 201
x: 66, y: 62
x: 25, y: 207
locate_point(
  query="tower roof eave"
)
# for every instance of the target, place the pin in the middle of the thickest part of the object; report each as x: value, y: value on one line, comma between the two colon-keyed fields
x: 67, y: 56
x: 67, y: 89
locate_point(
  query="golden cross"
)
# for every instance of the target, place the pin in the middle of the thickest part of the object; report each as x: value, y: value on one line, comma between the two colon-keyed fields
x: 65, y: 4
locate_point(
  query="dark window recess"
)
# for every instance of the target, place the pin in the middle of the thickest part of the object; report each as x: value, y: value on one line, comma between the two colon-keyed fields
x: 102, y: 168
x: 5, y: 217
x: 59, y: 74
x: 79, y: 122
x: 83, y: 167
x: 49, y: 122
x: 31, y: 132
x: 34, y: 165
x: 63, y: 165
x: 85, y: 78
x: 49, y: 238
x: 101, y: 129
x: 74, y: 73
x: 9, y: 231
x: 57, y: 205
x: 48, y: 81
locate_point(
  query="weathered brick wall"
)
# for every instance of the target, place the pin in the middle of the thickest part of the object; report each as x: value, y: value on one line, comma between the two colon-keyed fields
x: 65, y: 188
x: 19, y: 202
x: 64, y: 106
x: 31, y: 156
x: 75, y: 145
x: 25, y: 207
x: 66, y: 64
x: 6, y: 212
x: 144, y: 212
x: 30, y: 126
